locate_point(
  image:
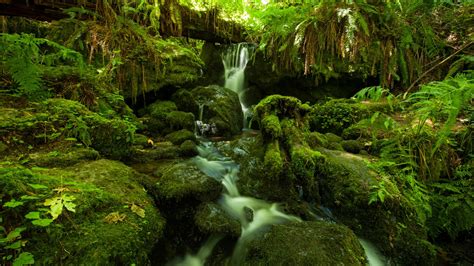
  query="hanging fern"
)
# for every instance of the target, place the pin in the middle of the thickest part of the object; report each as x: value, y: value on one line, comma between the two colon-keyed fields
x: 24, y: 55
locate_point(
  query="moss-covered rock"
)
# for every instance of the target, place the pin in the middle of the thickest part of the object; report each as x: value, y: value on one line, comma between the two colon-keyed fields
x: 185, y: 102
x: 273, y: 161
x: 212, y: 219
x: 345, y: 184
x: 184, y: 181
x: 180, y: 120
x: 115, y: 221
x: 157, y: 112
x: 56, y: 119
x: 140, y: 140
x: 221, y: 107
x: 63, y: 158
x: 271, y: 126
x: 180, y: 136
x: 159, y: 151
x: 188, y: 148
x: 352, y: 146
x: 306, y: 243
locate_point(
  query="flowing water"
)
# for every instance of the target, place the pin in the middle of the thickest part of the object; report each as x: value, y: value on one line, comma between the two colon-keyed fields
x: 224, y: 170
x: 235, y: 61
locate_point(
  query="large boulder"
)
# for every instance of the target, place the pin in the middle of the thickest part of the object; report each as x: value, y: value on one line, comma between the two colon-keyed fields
x: 221, y: 107
x: 104, y: 215
x: 58, y: 119
x: 347, y: 183
x: 306, y: 243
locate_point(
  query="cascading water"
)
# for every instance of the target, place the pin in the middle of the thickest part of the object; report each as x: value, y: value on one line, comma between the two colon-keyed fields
x: 235, y: 61
x: 224, y: 170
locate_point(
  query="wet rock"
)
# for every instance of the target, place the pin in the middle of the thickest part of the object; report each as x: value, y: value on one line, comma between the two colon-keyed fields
x: 221, y: 107
x: 212, y: 219
x: 345, y: 185
x: 184, y: 180
x: 306, y: 243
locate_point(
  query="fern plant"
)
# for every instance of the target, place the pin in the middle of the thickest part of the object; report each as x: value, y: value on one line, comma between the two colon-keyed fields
x: 23, y: 57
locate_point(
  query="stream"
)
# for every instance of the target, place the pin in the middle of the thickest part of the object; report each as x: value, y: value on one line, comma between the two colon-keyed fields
x: 224, y: 170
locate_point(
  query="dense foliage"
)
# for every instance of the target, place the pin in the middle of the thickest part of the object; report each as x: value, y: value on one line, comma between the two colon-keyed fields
x: 400, y: 152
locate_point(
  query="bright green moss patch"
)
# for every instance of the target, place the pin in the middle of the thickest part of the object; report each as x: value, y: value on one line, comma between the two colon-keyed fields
x: 273, y: 161
x: 271, y: 126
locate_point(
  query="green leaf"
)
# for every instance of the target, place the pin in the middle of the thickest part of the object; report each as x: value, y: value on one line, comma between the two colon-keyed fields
x: 15, y: 234
x: 13, y: 203
x: 38, y: 186
x: 33, y: 215
x: 42, y: 222
x: 25, y: 258
x: 70, y: 206
x: 28, y: 197
x: 15, y: 245
x: 138, y: 211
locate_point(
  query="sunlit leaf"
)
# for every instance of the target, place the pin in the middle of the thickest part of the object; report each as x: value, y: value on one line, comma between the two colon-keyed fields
x: 138, y: 211
x: 42, y: 222
x: 13, y: 203
x: 32, y: 215
x: 25, y: 258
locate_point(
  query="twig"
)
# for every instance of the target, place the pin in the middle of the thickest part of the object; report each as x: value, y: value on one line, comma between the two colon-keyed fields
x: 435, y: 66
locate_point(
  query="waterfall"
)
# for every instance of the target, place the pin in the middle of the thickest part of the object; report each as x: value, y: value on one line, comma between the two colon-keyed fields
x: 235, y: 61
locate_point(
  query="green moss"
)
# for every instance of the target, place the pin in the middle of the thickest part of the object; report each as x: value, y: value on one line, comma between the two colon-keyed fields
x: 100, y: 188
x: 273, y: 162
x: 180, y: 120
x: 159, y: 151
x: 178, y: 181
x: 316, y: 139
x: 212, y: 219
x: 62, y: 158
x: 180, y: 136
x: 271, y: 126
x: 306, y: 243
x: 281, y: 106
x: 188, y: 148
x: 336, y: 115
x: 221, y: 107
x: 140, y: 140
x: 346, y: 181
x: 160, y: 109
x: 184, y: 100
x: 56, y: 119
x: 352, y: 146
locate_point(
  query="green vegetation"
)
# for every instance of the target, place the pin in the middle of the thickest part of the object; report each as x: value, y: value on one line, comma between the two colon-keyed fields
x: 114, y: 82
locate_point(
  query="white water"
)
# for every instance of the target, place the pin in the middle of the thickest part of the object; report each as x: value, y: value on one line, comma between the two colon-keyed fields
x: 235, y: 61
x: 224, y: 170
x: 374, y: 256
